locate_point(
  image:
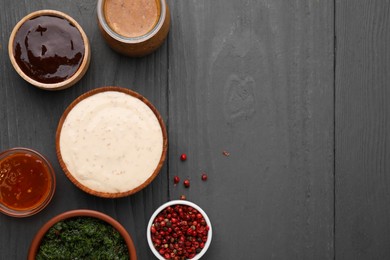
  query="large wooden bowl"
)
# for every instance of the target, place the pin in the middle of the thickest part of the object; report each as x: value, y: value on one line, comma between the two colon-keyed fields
x: 109, y: 194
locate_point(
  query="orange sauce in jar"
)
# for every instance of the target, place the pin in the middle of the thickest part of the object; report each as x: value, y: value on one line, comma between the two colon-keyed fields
x: 25, y: 181
x: 131, y: 18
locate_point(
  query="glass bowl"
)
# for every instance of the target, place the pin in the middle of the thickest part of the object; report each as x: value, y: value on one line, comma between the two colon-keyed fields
x: 27, y: 182
x: 133, y: 46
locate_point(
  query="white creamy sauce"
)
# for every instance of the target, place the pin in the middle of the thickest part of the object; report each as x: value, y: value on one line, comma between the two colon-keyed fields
x: 111, y: 142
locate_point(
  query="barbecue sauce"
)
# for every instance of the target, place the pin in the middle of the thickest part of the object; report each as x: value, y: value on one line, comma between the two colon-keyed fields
x: 48, y: 49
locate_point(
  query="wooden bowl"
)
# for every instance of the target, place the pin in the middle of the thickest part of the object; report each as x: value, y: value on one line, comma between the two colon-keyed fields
x: 113, y: 158
x: 136, y: 46
x: 75, y: 77
x: 34, y: 247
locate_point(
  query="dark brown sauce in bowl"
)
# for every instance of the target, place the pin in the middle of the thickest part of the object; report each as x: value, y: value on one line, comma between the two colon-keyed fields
x: 48, y: 49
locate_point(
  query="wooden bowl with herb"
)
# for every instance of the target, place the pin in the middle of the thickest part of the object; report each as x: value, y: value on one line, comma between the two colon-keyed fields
x: 82, y: 234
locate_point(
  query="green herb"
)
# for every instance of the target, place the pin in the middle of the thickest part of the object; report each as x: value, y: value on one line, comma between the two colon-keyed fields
x: 82, y: 238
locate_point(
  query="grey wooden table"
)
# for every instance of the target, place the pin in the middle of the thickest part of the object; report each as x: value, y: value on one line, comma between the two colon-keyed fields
x: 296, y: 91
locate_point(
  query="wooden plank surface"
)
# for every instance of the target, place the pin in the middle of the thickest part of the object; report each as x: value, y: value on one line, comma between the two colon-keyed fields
x: 29, y: 118
x: 255, y: 79
x: 251, y: 78
x: 362, y: 127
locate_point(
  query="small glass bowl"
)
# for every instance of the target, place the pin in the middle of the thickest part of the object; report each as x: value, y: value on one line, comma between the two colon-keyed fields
x: 173, y: 203
x: 136, y: 46
x: 47, y: 196
x: 34, y: 247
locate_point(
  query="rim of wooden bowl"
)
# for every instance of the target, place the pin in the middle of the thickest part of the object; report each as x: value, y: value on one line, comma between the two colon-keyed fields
x: 51, y: 86
x: 109, y: 194
x: 36, y: 242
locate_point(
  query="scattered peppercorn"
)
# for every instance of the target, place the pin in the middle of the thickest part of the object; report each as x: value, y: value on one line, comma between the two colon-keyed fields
x: 183, y: 197
x: 226, y: 153
x: 176, y: 179
x: 204, y: 177
x: 183, y: 157
x: 186, y: 236
x: 186, y: 183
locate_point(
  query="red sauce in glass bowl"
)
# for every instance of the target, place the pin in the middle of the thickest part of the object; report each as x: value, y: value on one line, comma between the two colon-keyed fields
x: 26, y: 182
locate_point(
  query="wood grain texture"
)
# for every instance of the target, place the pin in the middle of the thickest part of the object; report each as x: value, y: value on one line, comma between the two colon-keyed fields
x: 252, y: 78
x: 362, y: 127
x: 255, y: 79
x: 29, y: 117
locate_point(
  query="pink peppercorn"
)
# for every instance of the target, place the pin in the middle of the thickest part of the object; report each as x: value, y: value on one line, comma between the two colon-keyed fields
x: 183, y: 157
x: 178, y: 231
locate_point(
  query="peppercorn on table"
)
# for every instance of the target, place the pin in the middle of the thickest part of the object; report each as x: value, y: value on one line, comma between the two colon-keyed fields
x: 276, y: 115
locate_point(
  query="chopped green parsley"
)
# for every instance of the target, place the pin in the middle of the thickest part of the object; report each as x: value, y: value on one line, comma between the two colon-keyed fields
x: 82, y: 238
